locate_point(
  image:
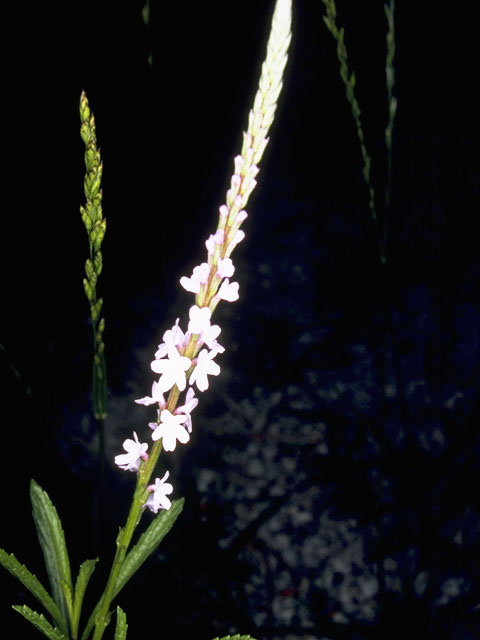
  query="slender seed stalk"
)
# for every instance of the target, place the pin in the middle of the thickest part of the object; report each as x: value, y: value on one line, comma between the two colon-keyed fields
x: 392, y: 108
x: 95, y: 225
x: 349, y: 82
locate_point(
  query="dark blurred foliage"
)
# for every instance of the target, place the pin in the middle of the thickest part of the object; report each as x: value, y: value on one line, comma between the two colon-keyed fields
x: 357, y: 381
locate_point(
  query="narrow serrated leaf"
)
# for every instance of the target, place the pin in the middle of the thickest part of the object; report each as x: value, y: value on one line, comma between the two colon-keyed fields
x: 122, y: 626
x: 32, y: 583
x: 39, y: 621
x: 148, y: 542
x: 84, y: 575
x: 52, y: 540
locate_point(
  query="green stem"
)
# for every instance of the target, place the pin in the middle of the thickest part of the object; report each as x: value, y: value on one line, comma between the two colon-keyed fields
x: 123, y: 541
x: 125, y: 535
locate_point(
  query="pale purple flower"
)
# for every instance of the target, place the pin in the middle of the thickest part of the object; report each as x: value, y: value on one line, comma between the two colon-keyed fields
x: 172, y: 370
x: 209, y: 337
x: 136, y: 451
x: 241, y: 217
x: 172, y: 337
x: 158, y: 497
x: 228, y: 291
x: 205, y: 366
x: 199, y: 319
x: 238, y: 162
x: 156, y: 397
x: 238, y: 237
x: 170, y: 430
x: 190, y: 403
x: 225, y: 268
x: 197, y: 279
x: 214, y: 240
x: 238, y: 201
x: 200, y: 325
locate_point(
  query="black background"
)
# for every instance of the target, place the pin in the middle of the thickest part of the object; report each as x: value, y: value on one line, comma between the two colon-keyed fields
x: 318, y: 314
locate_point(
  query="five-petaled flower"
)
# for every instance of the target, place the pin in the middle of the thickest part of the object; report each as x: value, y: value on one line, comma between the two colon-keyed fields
x: 156, y: 397
x: 136, y: 451
x: 228, y: 291
x: 158, y: 497
x: 200, y: 325
x: 198, y: 278
x: 172, y: 370
x: 170, y: 430
x: 205, y: 366
x: 173, y: 337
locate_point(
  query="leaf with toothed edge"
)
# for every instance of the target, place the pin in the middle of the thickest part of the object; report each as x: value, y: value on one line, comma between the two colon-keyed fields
x: 52, y: 540
x: 84, y: 575
x: 39, y: 621
x: 235, y: 637
x: 122, y: 626
x: 32, y: 583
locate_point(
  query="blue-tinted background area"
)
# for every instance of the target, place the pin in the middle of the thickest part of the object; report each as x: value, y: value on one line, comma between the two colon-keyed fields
x: 331, y: 480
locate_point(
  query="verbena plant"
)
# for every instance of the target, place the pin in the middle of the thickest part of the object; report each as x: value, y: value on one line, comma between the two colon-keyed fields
x: 184, y: 360
x: 183, y: 363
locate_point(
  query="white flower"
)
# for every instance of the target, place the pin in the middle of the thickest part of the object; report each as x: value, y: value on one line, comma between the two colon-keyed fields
x: 205, y: 367
x: 170, y: 430
x: 190, y: 404
x: 136, y: 451
x: 228, y: 291
x: 225, y: 268
x: 158, y: 498
x: 173, y: 337
x: 214, y: 239
x: 241, y: 217
x: 156, y: 397
x: 209, y: 337
x: 200, y: 325
x: 238, y: 237
x: 199, y: 319
x: 172, y: 370
x: 199, y: 276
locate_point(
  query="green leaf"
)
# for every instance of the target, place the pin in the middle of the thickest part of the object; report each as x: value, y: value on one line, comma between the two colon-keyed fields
x: 32, y: 583
x: 237, y: 636
x: 122, y: 626
x: 84, y: 575
x: 148, y: 542
x: 39, y: 621
x: 52, y: 540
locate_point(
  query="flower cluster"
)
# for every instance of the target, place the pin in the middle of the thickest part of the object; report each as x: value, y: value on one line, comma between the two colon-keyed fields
x: 185, y: 360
